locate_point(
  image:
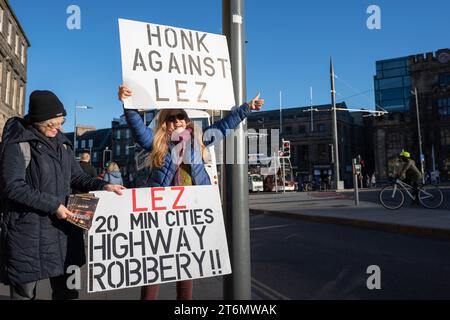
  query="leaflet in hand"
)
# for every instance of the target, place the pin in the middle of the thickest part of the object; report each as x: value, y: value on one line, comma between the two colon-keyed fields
x: 83, y: 207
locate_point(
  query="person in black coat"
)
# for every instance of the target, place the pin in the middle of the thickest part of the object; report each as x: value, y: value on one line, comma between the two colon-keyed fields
x: 38, y: 242
x: 86, y: 166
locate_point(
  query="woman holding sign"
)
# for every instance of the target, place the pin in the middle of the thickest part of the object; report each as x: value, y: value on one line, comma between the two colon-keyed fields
x: 178, y: 154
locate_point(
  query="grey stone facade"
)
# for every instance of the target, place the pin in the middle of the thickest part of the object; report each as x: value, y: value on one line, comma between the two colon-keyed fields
x: 13, y: 65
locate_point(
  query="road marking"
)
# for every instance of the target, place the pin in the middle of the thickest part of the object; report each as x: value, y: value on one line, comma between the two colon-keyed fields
x: 270, y: 227
x: 271, y: 293
x: 291, y: 236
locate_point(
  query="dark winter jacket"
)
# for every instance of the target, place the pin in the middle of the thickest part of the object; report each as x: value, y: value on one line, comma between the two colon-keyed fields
x: 163, y: 177
x: 38, y: 244
x: 88, y: 168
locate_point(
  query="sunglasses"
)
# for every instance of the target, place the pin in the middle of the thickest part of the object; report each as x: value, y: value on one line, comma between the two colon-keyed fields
x: 179, y: 116
x: 52, y: 125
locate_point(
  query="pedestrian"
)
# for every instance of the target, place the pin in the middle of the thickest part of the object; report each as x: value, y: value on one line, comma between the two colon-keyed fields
x: 438, y: 176
x: 433, y: 177
x: 361, y: 179
x: 373, y: 180
x: 168, y: 144
x: 113, y: 174
x: 87, y: 168
x: 37, y: 170
x: 368, y: 181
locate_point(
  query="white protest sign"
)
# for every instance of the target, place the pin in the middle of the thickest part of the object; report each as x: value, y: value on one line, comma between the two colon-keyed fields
x: 168, y: 67
x: 156, y: 235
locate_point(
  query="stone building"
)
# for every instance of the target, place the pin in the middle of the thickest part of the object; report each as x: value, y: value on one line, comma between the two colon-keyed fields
x: 311, y: 138
x: 13, y: 65
x: 430, y: 74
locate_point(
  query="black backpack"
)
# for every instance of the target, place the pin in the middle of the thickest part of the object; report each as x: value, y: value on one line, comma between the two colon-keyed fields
x: 26, y: 152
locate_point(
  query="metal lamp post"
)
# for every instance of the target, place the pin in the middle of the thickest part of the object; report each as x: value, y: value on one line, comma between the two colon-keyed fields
x: 75, y: 127
x: 421, y: 156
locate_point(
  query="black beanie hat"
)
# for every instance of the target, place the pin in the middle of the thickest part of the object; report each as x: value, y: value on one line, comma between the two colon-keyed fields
x: 44, y: 105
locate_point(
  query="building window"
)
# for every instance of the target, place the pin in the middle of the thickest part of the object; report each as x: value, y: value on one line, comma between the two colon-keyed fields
x: 321, y: 127
x: 83, y: 144
x: 118, y: 150
x: 8, y: 87
x: 14, y: 95
x: 17, y: 45
x: 2, y: 13
x: 444, y: 106
x: 445, y: 136
x: 127, y: 150
x: 21, y: 102
x: 118, y: 134
x: 127, y: 132
x: 303, y: 152
x: 10, y: 32
x: 22, y: 55
x: 394, y: 141
x: 94, y: 156
x: 444, y: 79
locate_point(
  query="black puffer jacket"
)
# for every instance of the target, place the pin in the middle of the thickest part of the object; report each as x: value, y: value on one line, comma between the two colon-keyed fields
x: 37, y: 244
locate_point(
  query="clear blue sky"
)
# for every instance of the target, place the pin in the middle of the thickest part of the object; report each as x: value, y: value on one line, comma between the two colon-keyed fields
x: 289, y: 46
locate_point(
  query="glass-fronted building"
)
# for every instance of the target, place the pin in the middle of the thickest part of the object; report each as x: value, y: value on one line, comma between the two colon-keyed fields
x: 393, y: 85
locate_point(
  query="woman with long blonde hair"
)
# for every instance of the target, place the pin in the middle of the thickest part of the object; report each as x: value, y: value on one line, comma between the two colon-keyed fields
x: 177, y: 155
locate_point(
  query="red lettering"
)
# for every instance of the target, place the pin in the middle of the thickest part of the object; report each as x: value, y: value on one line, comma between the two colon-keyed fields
x: 133, y: 192
x: 154, y: 199
x: 175, y: 205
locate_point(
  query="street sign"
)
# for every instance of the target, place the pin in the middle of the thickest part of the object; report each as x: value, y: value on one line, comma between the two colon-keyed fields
x: 168, y: 67
x: 156, y: 235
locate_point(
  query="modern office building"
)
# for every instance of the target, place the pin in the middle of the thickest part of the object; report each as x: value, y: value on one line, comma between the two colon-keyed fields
x: 13, y: 65
x: 393, y: 85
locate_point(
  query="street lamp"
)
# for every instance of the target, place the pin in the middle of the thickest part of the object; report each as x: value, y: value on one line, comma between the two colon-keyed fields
x: 75, y: 127
x: 421, y: 157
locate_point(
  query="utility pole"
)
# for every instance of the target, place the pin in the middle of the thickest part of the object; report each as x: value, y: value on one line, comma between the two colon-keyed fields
x: 237, y: 286
x: 281, y: 118
x: 335, y: 129
x: 312, y: 118
x: 420, y: 135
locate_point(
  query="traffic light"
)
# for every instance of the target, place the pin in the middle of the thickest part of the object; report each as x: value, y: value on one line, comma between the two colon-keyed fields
x: 107, y: 157
x: 286, y: 148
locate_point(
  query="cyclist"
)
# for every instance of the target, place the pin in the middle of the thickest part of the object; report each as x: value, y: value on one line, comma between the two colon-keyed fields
x: 410, y: 174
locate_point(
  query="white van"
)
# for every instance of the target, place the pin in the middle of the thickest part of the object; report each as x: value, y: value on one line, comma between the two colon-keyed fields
x: 255, y: 183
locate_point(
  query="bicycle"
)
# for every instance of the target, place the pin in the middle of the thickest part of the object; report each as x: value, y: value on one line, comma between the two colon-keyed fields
x: 392, y: 196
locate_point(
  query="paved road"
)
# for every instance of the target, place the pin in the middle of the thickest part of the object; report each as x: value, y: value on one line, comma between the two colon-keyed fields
x: 372, y: 196
x: 295, y: 259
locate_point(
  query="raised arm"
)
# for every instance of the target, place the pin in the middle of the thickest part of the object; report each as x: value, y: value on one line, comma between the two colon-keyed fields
x: 141, y: 133
x: 220, y: 129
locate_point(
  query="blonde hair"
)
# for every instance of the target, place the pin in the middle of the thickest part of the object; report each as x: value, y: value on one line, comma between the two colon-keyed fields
x: 113, y: 167
x: 161, y: 139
